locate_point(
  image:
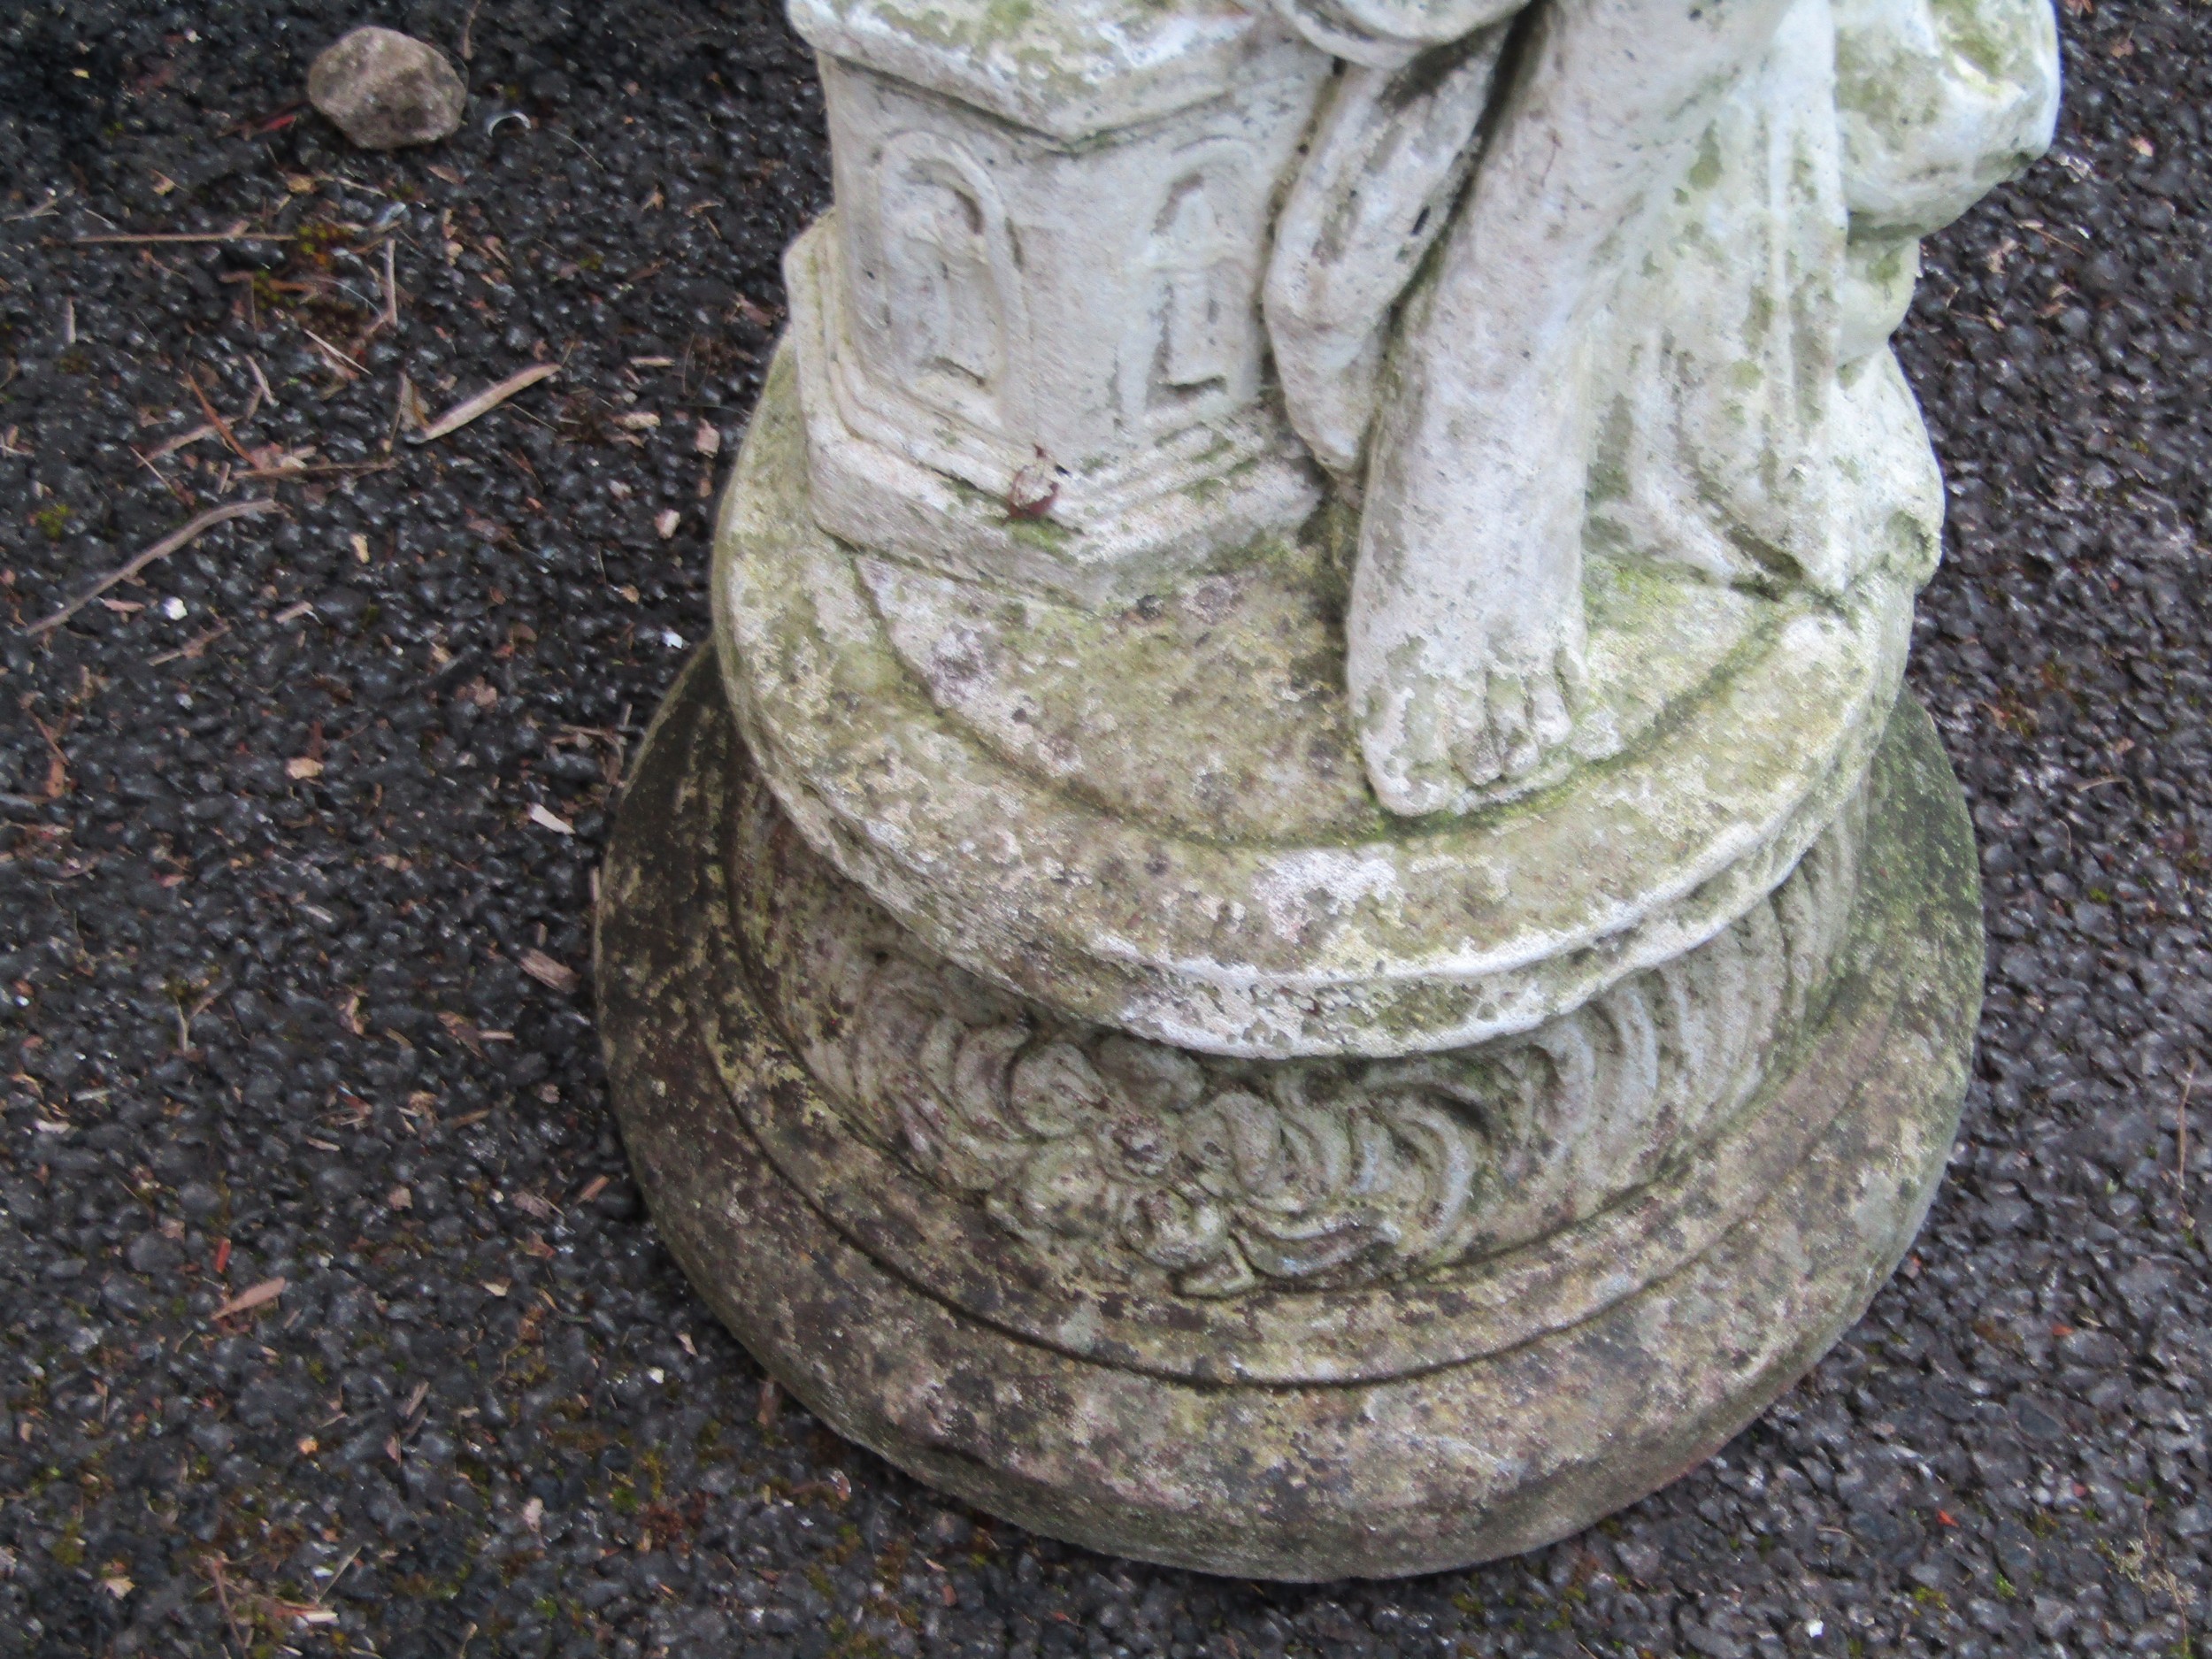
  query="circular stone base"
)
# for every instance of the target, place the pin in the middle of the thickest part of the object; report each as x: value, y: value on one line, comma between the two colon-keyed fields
x: 1435, y: 1466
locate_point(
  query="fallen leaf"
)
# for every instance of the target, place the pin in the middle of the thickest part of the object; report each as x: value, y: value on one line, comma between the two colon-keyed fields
x: 707, y: 440
x: 399, y: 1198
x: 118, y: 1587
x: 639, y: 420
x: 412, y: 415
x: 1034, y: 491
x: 497, y: 1287
x: 546, y: 820
x: 246, y: 1301
x: 546, y: 971
x: 667, y: 522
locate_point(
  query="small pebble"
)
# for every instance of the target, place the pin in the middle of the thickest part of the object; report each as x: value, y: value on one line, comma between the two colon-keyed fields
x: 386, y: 90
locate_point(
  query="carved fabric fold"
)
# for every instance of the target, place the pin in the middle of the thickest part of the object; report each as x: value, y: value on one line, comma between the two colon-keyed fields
x: 1390, y: 152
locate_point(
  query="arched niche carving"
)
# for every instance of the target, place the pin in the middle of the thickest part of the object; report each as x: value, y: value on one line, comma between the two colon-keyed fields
x: 1192, y: 346
x: 947, y: 305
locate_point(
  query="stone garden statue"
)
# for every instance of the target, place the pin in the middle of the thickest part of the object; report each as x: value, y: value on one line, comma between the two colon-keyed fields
x: 1299, y: 927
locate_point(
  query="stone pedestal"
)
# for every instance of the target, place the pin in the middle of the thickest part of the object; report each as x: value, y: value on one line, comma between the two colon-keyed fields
x: 1102, y: 1048
x: 1275, y: 1319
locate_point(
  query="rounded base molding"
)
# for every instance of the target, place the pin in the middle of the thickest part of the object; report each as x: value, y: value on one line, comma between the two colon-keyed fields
x: 891, y: 1331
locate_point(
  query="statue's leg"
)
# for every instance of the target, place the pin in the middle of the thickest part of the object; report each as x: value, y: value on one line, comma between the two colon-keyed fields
x: 1465, y: 631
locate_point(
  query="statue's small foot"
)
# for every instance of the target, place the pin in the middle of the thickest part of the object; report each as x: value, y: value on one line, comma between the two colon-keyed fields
x: 1436, y: 742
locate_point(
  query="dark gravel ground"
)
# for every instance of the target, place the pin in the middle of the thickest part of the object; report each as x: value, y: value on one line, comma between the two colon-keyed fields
x: 271, y: 882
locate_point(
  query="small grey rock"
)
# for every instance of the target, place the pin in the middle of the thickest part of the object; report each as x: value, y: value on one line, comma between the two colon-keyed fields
x: 386, y: 90
x: 150, y: 1252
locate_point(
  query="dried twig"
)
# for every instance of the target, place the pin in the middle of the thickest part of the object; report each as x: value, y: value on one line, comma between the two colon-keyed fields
x: 191, y: 648
x: 214, y: 1564
x: 2181, y: 1131
x: 166, y: 482
x: 216, y: 420
x: 44, y: 209
x: 161, y: 550
x: 162, y: 451
x: 352, y: 1556
x: 238, y: 235
x: 484, y: 402
x: 281, y: 474
x: 338, y: 359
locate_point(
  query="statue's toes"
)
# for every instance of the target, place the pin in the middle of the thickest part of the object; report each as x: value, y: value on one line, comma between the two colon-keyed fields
x: 1551, y: 712
x: 1483, y: 720
x: 1511, y: 726
x: 1409, y: 720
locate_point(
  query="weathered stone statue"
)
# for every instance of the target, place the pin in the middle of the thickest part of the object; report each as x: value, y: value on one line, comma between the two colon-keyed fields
x: 1299, y: 927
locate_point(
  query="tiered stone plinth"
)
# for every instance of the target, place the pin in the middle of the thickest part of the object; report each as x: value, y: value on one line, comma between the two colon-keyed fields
x: 1040, y: 1049
x: 981, y: 1315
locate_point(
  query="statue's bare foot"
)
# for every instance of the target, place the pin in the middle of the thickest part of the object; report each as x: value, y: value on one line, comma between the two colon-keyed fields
x: 1465, y: 626
x: 1438, y: 741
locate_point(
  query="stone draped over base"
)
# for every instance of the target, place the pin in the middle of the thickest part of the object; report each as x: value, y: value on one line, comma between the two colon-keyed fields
x: 1290, y: 1317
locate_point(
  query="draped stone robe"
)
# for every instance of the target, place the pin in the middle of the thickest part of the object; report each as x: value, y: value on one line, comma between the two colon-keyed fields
x: 1621, y: 274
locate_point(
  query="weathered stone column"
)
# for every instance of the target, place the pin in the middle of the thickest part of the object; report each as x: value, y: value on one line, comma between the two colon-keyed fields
x: 1297, y: 926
